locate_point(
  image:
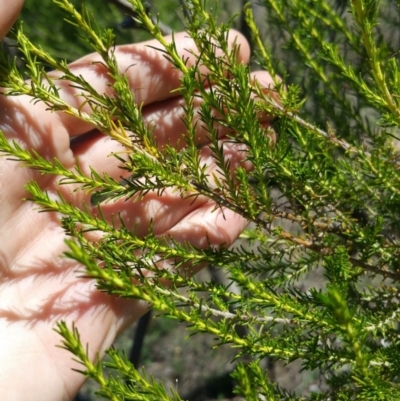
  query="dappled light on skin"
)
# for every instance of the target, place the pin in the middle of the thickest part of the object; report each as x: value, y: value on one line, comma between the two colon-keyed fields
x: 160, y: 211
x: 38, y: 286
x: 151, y: 77
x: 28, y: 124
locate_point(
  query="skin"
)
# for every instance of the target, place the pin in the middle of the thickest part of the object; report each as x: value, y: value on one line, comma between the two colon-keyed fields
x: 38, y: 287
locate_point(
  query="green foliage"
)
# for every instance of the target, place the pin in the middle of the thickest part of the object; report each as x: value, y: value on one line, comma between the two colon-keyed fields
x: 46, y: 24
x: 325, y: 198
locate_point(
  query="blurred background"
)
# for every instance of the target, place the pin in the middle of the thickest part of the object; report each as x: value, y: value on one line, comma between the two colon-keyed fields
x: 44, y: 22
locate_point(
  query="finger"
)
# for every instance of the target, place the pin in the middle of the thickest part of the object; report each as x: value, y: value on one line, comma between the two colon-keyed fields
x: 207, y: 226
x: 94, y: 151
x: 151, y: 76
x: 234, y: 156
x: 9, y: 11
x: 168, y: 127
x: 150, y: 65
x: 137, y: 213
x: 266, y: 83
x: 166, y: 121
x: 159, y: 212
x: 166, y: 118
x: 163, y: 212
x: 204, y: 227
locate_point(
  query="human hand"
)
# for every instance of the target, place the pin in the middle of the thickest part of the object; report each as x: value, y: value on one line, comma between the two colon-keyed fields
x: 37, y: 286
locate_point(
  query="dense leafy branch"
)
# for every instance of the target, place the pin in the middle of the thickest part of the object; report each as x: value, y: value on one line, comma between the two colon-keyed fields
x: 323, y: 196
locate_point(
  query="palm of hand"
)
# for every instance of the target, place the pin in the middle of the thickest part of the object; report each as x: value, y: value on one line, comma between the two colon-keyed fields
x: 37, y: 286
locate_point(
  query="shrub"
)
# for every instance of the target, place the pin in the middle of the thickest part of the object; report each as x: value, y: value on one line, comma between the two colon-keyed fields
x: 318, y: 268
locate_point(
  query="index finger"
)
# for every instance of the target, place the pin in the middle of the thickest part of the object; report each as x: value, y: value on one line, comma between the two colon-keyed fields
x: 151, y: 76
x: 9, y: 11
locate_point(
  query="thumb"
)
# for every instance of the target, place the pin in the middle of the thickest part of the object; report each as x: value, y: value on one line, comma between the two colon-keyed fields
x: 9, y: 11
